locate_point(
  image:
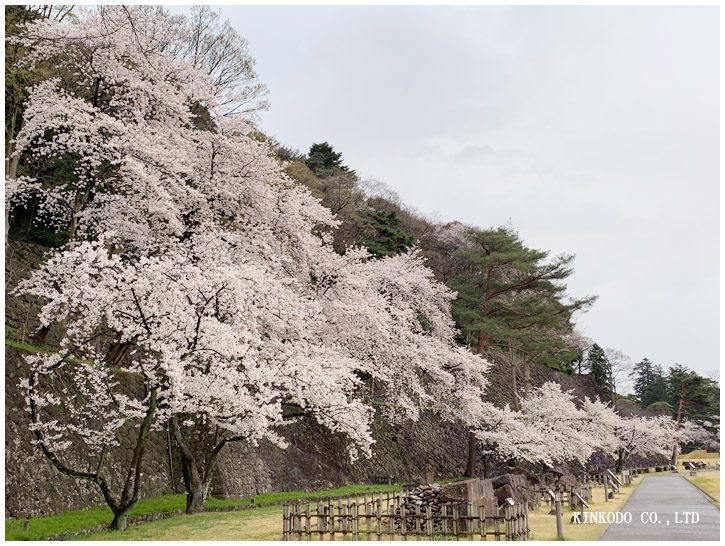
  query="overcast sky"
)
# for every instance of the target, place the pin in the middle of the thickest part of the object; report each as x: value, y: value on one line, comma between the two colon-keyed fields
x: 593, y: 130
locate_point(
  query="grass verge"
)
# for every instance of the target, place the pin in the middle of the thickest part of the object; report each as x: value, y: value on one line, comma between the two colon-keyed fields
x: 76, y: 520
x: 258, y: 524
x: 543, y: 525
x: 709, y: 483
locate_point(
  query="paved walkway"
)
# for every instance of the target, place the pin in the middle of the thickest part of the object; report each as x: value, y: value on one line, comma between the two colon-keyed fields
x: 669, y: 496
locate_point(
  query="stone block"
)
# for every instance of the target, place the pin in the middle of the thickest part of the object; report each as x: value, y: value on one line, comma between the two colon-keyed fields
x: 465, y: 491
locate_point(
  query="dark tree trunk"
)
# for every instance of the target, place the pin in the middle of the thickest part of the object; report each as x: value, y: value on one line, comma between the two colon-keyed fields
x: 197, y: 470
x: 117, y: 353
x: 197, y: 489
x: 120, y: 520
x: 472, y: 452
x: 620, y: 460
x: 514, y: 371
x: 481, y: 345
x: 195, y: 496
x: 679, y: 420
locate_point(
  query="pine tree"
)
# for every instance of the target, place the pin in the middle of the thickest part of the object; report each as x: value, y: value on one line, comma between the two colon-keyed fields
x: 657, y: 391
x: 511, y: 295
x: 643, y: 376
x: 323, y: 160
x: 649, y: 384
x: 696, y: 398
x: 600, y: 369
x: 381, y: 234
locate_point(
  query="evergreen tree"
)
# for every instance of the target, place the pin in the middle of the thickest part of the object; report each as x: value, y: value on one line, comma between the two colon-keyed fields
x: 696, y: 398
x: 323, y: 160
x: 381, y: 235
x: 599, y: 367
x: 511, y: 296
x: 657, y: 391
x: 649, y: 384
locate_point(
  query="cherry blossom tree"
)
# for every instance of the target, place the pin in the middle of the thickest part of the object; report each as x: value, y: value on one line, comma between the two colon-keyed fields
x: 644, y: 436
x: 603, y: 423
x: 551, y: 427
x: 548, y: 428
x: 226, y: 341
x: 92, y: 428
x: 240, y: 351
x: 393, y: 317
x: 706, y: 434
x: 195, y: 265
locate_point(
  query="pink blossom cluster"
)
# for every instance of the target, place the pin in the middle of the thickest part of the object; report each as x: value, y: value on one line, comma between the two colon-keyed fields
x: 212, y: 274
x: 551, y: 427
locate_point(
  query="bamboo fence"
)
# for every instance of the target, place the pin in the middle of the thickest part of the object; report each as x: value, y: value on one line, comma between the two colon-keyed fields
x: 383, y: 517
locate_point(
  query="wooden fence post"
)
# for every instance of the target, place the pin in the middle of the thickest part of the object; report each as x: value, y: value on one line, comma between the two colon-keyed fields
x: 559, y: 523
x: 355, y: 521
x: 455, y: 523
x: 403, y: 523
x: 496, y: 523
x: 391, y: 518
x: 330, y: 512
x: 344, y: 522
x: 308, y: 521
x: 519, y: 521
x: 285, y: 522
x: 467, y: 522
x: 296, y: 521
x: 606, y: 488
x: 378, y: 519
x: 481, y: 522
x: 508, y: 527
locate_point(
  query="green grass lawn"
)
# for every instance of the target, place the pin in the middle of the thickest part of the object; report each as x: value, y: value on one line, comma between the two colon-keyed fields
x: 81, y: 519
x: 258, y: 524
